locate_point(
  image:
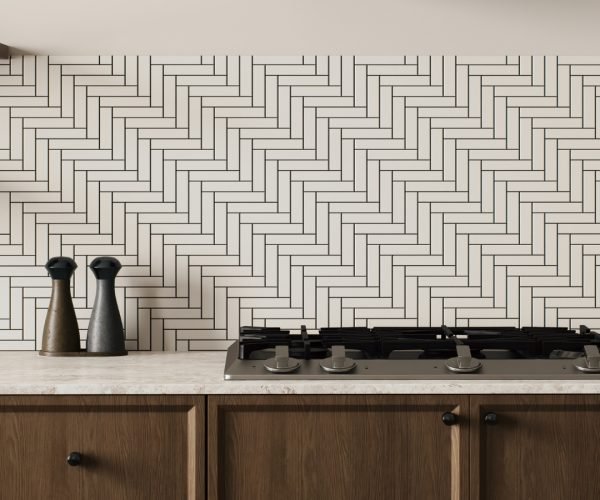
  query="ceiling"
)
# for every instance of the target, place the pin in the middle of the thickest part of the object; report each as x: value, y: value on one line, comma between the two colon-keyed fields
x: 76, y: 27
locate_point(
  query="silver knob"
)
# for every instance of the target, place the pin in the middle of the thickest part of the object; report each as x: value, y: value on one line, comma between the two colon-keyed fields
x: 282, y: 363
x: 338, y: 362
x: 464, y: 362
x: 590, y: 363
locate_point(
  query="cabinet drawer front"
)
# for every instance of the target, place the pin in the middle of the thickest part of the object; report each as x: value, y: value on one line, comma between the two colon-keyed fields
x: 535, y: 447
x: 335, y: 447
x: 130, y: 447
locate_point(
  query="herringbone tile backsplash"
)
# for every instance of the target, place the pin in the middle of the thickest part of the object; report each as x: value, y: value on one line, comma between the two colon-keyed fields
x: 301, y: 190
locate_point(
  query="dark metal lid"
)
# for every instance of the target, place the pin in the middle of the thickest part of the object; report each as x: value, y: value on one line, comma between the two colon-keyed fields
x: 60, y: 268
x: 105, y: 267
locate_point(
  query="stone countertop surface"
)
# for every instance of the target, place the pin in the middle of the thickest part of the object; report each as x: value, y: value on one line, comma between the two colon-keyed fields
x: 202, y: 373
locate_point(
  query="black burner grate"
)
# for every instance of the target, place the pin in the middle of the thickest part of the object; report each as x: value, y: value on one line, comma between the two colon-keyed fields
x: 427, y: 342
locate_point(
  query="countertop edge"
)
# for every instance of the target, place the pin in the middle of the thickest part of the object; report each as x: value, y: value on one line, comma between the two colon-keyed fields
x: 297, y: 387
x: 24, y: 373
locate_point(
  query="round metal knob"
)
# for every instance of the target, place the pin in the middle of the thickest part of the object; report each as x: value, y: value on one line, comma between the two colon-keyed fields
x: 338, y: 362
x: 74, y: 458
x: 490, y: 418
x: 282, y: 363
x: 449, y: 418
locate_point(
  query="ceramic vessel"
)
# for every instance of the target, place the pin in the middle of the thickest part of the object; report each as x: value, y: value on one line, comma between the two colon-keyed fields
x: 105, y: 330
x: 61, y: 332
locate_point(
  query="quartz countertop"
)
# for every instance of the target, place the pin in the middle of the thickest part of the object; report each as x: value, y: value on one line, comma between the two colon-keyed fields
x: 202, y: 373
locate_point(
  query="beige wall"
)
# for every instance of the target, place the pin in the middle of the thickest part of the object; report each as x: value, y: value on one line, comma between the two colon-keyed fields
x: 301, y: 26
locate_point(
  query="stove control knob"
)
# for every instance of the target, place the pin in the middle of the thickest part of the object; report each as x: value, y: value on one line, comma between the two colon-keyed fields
x: 590, y: 361
x: 490, y: 418
x: 282, y: 363
x: 338, y: 362
x: 449, y: 418
x: 464, y: 362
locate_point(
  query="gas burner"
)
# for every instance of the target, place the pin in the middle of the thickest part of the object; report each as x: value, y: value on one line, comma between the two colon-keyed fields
x: 414, y: 352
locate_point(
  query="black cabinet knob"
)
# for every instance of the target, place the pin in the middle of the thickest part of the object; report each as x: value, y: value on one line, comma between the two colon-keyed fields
x: 490, y: 418
x: 74, y: 458
x: 449, y: 418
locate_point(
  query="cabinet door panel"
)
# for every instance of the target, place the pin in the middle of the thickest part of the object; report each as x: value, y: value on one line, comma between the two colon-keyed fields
x: 139, y: 451
x: 541, y: 448
x: 133, y: 447
x: 336, y: 447
x: 33, y: 453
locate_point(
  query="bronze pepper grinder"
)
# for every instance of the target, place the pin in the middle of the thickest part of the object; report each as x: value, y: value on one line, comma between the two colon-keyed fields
x: 61, y: 333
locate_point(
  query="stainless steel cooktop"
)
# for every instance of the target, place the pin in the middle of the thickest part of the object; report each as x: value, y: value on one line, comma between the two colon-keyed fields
x: 414, y: 353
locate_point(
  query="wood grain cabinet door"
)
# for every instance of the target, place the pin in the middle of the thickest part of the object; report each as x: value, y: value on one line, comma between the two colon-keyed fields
x: 33, y: 452
x: 535, y: 447
x: 336, y: 448
x: 131, y: 447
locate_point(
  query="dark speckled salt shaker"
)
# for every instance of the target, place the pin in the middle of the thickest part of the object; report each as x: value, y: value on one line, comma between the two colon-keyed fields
x: 105, y: 331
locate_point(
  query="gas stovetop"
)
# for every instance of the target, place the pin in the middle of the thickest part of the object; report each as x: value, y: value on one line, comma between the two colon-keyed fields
x: 414, y: 353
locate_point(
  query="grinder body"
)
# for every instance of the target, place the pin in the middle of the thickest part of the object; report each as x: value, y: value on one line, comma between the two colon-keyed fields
x: 61, y: 332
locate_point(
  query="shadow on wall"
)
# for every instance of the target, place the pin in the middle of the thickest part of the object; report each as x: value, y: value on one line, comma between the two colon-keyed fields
x: 6, y: 51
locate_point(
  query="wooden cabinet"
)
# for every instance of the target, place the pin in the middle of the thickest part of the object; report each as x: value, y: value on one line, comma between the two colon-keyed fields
x: 371, y: 447
x: 336, y: 447
x: 535, y: 447
x: 300, y: 447
x: 131, y: 447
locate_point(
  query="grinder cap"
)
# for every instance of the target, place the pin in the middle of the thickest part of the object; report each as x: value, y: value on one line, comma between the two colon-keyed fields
x: 105, y: 267
x: 60, y: 268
